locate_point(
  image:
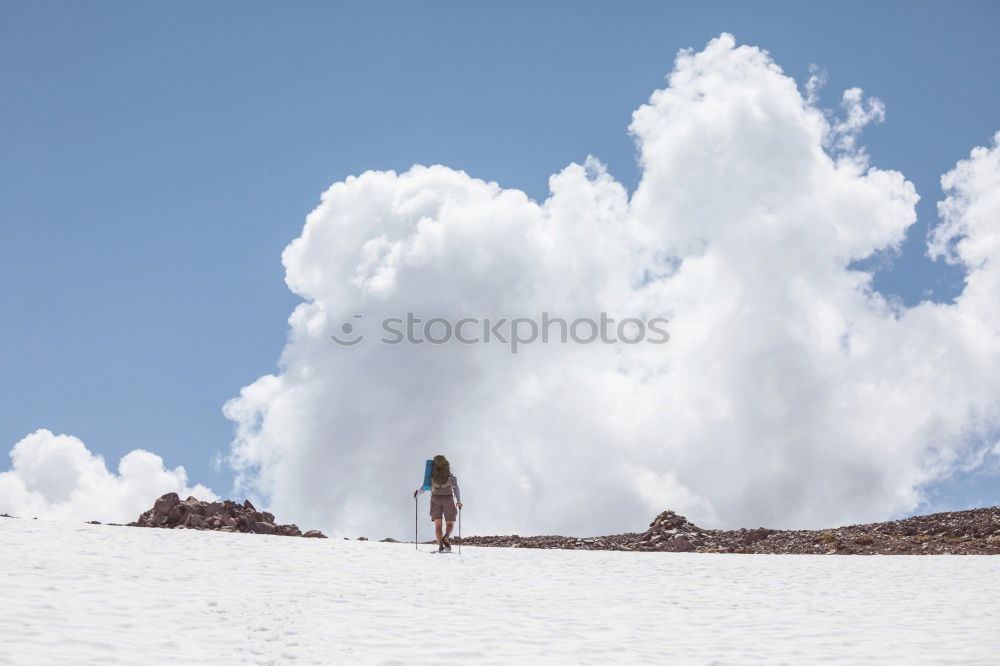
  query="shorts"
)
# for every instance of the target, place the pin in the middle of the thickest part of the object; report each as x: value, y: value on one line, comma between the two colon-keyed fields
x: 443, y: 505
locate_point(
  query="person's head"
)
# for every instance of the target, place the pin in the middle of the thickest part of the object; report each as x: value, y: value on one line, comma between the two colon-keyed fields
x: 442, y: 470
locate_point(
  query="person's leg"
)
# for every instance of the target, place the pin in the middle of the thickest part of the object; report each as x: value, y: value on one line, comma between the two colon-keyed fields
x: 450, y: 513
x: 437, y: 529
x: 437, y: 514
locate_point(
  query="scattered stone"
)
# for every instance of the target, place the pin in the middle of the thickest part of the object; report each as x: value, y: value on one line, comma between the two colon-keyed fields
x: 753, y: 536
x: 93, y: 522
x: 976, y: 531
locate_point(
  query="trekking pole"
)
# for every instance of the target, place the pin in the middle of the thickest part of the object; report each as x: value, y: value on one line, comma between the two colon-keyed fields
x: 459, y: 532
x: 415, y: 547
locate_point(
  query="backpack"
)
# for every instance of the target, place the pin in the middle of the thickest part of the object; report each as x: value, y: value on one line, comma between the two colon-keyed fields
x: 439, y: 488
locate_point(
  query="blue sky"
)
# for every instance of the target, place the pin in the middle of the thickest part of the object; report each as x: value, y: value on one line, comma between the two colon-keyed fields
x: 157, y: 159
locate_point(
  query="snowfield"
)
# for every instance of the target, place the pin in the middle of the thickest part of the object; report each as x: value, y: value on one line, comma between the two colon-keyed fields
x: 79, y: 593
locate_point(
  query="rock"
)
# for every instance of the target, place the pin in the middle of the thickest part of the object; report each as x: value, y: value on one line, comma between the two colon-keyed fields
x: 165, y: 503
x: 753, y: 536
x: 194, y: 520
x: 93, y: 522
x: 390, y: 540
x: 680, y: 544
x: 226, y: 516
x: 263, y: 527
x: 668, y: 520
x: 178, y: 514
x: 960, y: 532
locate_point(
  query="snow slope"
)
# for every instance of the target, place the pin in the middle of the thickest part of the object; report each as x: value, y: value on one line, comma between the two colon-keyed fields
x: 77, y: 593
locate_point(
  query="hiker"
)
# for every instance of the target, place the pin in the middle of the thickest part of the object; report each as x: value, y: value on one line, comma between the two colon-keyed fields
x: 443, y: 483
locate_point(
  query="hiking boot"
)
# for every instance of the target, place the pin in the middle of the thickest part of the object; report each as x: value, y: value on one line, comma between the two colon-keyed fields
x: 447, y: 545
x: 440, y: 546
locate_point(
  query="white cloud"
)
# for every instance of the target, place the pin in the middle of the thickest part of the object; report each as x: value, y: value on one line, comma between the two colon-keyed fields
x: 970, y: 233
x: 857, y: 116
x: 817, y: 79
x: 790, y: 393
x: 57, y: 477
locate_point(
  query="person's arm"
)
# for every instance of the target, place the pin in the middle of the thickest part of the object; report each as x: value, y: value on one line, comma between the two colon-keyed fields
x: 458, y: 493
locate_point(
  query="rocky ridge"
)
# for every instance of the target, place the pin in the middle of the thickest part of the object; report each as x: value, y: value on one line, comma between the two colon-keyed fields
x: 976, y: 531
x: 970, y: 532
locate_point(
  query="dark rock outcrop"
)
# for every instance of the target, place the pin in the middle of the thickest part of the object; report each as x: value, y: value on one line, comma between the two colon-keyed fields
x: 227, y: 516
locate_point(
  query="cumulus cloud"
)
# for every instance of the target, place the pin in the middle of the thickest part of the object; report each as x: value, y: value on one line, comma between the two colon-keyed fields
x: 57, y: 477
x: 790, y: 392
